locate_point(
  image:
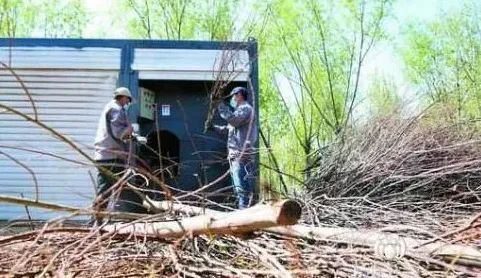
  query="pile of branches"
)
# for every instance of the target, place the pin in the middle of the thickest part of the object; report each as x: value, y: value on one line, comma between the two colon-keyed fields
x: 408, y: 164
x: 56, y: 251
x: 70, y: 254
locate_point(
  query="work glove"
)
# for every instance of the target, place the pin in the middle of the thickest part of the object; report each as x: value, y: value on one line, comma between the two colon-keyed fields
x: 140, y: 139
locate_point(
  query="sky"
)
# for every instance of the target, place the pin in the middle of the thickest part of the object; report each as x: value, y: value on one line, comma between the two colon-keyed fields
x: 384, y: 59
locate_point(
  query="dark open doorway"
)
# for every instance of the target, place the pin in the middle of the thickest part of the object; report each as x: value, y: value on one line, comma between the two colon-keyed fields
x: 168, y: 161
x: 192, y: 157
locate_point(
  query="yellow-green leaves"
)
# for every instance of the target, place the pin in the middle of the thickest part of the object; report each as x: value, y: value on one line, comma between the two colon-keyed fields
x: 42, y: 18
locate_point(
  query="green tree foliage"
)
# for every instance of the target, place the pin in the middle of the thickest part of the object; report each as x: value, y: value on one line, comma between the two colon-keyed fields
x: 383, y: 98
x: 159, y: 19
x: 218, y: 20
x: 61, y: 18
x: 324, y: 46
x: 45, y: 18
x: 186, y: 19
x: 444, y: 60
x: 17, y: 18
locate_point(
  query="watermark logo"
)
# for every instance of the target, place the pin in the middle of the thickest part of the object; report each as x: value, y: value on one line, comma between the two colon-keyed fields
x: 390, y: 246
x: 385, y: 246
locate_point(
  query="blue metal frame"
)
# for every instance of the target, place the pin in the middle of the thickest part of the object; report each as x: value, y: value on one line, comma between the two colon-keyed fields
x: 120, y: 43
x: 253, y: 75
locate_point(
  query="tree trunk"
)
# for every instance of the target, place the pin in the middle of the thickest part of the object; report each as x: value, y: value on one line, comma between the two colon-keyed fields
x: 257, y: 217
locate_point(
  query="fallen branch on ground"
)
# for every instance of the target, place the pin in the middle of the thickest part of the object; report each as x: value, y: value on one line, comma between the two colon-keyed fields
x: 63, y: 208
x: 258, y: 217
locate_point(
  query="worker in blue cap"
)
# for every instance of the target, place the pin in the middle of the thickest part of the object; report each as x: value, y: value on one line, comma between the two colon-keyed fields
x: 241, y: 130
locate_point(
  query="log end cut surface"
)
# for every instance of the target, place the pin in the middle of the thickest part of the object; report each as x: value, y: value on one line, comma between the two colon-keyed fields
x: 290, y: 212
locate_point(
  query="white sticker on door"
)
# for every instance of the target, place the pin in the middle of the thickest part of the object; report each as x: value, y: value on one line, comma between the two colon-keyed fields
x: 165, y: 110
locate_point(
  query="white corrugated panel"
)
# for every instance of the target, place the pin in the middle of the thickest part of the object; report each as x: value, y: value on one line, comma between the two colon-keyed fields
x: 61, y: 58
x: 69, y: 88
x: 188, y: 64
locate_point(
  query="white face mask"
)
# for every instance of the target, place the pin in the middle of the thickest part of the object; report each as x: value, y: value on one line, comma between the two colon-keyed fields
x: 126, y: 106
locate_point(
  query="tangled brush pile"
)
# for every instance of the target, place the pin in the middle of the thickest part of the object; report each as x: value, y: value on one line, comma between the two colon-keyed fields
x: 409, y: 164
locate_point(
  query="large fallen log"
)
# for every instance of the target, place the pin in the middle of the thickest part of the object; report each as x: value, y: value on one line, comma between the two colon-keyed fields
x: 257, y: 217
x: 385, y: 244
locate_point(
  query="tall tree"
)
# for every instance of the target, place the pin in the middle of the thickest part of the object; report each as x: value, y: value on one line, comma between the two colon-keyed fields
x: 325, y: 45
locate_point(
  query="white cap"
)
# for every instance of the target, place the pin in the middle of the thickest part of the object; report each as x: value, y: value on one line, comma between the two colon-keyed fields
x: 122, y: 91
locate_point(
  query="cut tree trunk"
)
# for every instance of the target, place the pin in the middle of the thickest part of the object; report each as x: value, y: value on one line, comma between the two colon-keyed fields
x: 451, y: 253
x: 255, y: 218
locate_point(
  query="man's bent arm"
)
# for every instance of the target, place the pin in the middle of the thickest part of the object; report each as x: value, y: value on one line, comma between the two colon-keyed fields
x: 239, y: 117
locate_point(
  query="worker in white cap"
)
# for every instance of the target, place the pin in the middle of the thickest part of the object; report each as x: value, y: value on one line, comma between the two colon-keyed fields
x: 112, y: 145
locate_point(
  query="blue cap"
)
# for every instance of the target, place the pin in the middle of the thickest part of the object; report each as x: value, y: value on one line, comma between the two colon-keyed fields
x: 238, y: 90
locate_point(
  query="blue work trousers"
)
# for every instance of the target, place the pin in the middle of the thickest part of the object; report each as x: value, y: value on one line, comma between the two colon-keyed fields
x: 242, y: 179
